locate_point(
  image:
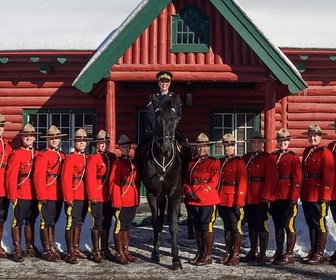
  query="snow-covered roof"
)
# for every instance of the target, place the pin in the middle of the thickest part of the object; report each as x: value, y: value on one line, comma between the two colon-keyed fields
x: 84, y: 24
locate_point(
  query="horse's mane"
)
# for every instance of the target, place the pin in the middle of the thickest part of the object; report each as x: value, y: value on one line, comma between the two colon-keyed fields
x: 165, y: 115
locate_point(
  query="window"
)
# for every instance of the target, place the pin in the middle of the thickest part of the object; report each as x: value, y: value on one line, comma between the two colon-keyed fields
x: 190, y: 31
x: 67, y: 121
x: 240, y: 124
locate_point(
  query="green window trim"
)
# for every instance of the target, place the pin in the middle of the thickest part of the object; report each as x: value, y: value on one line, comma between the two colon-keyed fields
x: 190, y: 31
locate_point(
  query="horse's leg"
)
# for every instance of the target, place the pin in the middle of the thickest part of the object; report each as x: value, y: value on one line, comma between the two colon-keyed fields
x: 173, y: 208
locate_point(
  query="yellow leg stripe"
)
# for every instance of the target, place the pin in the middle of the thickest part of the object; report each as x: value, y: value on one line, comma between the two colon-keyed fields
x: 268, y: 216
x: 323, y: 215
x: 239, y: 223
x: 69, y: 217
x: 40, y: 205
x: 117, y: 221
x: 213, y: 218
x: 291, y: 220
x: 90, y: 212
x: 14, y: 219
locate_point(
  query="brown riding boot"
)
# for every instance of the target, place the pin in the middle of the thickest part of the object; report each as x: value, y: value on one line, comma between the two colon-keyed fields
x: 332, y: 259
x: 105, y: 234
x: 46, y: 254
x: 234, y: 257
x: 121, y: 258
x: 96, y: 253
x: 200, y: 247
x: 31, y: 250
x: 2, y: 250
x: 51, y: 234
x: 263, y: 241
x: 78, y: 252
x: 69, y: 237
x: 279, y: 241
x: 228, y: 247
x: 318, y: 258
x: 207, y: 255
x: 252, y: 254
x: 16, y: 236
x: 313, y: 245
x: 125, y: 235
x: 288, y: 258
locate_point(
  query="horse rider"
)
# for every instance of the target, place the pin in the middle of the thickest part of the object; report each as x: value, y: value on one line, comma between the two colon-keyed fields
x: 97, y: 176
x: 21, y: 192
x: 200, y: 189
x: 47, y: 168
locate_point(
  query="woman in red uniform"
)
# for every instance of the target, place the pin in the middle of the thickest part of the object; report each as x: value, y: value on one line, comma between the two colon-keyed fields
x: 232, y: 192
x: 200, y: 189
x: 5, y: 150
x: 318, y: 181
x: 262, y: 181
x: 47, y: 169
x: 21, y: 192
x: 124, y: 189
x: 74, y: 195
x: 97, y: 184
x: 284, y: 208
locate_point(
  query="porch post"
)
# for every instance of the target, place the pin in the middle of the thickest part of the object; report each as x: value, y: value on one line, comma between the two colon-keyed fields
x: 110, y: 113
x: 269, y: 121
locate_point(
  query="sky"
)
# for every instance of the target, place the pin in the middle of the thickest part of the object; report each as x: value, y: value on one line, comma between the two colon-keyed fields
x: 84, y: 24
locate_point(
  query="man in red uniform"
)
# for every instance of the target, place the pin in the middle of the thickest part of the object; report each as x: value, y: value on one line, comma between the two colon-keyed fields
x: 124, y: 189
x: 47, y: 170
x: 74, y: 195
x: 232, y: 192
x: 262, y: 181
x: 284, y: 208
x: 332, y: 148
x: 97, y: 185
x: 200, y: 189
x: 5, y: 150
x: 21, y: 192
x: 318, y: 181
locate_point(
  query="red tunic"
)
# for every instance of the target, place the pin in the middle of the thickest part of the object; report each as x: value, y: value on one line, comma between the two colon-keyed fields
x: 5, y: 151
x: 124, y: 183
x: 19, y: 177
x: 202, y: 178
x: 289, y: 175
x: 332, y: 148
x: 47, y: 170
x: 262, y: 177
x: 97, y: 174
x: 318, y: 174
x: 72, y: 177
x: 233, y: 181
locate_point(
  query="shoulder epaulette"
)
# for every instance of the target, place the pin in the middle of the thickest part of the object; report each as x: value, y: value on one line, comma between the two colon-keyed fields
x: 292, y: 152
x: 322, y: 147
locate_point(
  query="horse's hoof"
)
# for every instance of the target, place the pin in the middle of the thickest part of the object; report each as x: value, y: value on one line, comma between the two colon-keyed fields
x: 155, y: 259
x: 177, y: 265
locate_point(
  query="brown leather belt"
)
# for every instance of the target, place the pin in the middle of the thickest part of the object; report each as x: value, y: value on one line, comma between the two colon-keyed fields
x: 228, y: 183
x: 199, y: 182
x: 3, y: 165
x: 52, y: 175
x: 312, y: 175
x: 77, y: 177
x: 284, y: 176
x: 256, y: 179
x: 101, y: 176
x: 132, y: 183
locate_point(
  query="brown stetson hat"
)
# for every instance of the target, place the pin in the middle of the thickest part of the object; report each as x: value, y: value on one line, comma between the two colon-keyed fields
x: 228, y: 139
x: 3, y: 119
x: 283, y: 134
x: 314, y: 129
x: 81, y: 134
x: 124, y: 140
x: 53, y: 132
x: 333, y: 125
x: 102, y: 136
x: 202, y: 139
x: 28, y: 129
x: 257, y: 136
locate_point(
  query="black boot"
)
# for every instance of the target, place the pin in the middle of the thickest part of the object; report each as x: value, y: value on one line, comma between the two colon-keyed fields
x: 200, y: 247
x: 252, y: 254
x: 263, y: 241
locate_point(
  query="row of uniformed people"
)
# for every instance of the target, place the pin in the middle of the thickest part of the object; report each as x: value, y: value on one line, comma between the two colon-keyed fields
x: 38, y: 182
x: 259, y: 183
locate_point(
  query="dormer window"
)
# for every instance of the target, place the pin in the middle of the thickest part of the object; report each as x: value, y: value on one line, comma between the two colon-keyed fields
x: 190, y: 31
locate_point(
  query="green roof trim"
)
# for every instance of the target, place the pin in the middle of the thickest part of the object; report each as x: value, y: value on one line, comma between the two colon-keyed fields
x: 280, y: 66
x: 102, y: 63
x: 122, y: 38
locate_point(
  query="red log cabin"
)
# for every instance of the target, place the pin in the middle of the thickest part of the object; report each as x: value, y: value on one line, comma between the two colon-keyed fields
x: 231, y: 78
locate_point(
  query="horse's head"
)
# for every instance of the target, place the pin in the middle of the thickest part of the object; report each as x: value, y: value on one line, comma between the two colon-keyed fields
x: 165, y: 125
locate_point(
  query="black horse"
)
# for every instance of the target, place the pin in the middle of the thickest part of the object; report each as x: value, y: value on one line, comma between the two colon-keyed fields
x: 161, y: 173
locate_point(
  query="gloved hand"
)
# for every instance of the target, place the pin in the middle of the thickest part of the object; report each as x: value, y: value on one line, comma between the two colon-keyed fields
x: 237, y: 206
x: 94, y: 201
x: 292, y: 203
x: 264, y: 201
x: 192, y: 196
x: 68, y: 203
x: 44, y: 202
